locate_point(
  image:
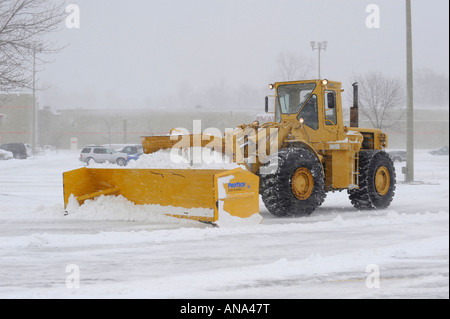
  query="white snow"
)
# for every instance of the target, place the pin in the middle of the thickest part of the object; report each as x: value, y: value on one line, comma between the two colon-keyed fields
x: 195, y: 158
x: 119, y: 208
x: 127, y: 251
x: 227, y: 220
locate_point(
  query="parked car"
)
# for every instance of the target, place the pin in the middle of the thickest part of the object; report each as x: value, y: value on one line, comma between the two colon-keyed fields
x: 134, y: 157
x: 101, y: 154
x: 5, y: 155
x: 397, y: 156
x: 19, y: 150
x: 440, y: 151
x: 132, y: 149
x: 29, y: 149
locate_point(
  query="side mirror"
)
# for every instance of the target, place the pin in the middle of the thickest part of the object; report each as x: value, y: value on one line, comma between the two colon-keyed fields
x: 267, y: 104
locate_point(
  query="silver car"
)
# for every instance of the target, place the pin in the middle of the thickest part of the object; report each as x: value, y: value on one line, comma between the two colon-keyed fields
x: 5, y: 155
x: 397, y: 156
x: 100, y: 154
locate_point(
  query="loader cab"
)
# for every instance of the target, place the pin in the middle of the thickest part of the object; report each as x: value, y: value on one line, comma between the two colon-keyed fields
x: 315, y: 104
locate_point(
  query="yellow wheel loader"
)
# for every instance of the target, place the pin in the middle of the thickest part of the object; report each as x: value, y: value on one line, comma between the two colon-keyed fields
x: 291, y: 162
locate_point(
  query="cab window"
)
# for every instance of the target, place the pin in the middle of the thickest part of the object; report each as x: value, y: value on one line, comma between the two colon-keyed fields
x: 309, y: 113
x: 292, y: 97
x: 330, y: 108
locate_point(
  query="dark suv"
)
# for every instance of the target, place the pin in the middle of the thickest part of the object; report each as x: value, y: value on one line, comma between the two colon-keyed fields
x: 19, y: 150
x: 132, y: 149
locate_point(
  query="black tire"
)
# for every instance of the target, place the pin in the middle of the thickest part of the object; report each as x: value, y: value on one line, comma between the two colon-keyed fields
x: 89, y: 160
x: 373, y: 192
x: 19, y: 156
x: 276, y: 187
x: 121, y: 161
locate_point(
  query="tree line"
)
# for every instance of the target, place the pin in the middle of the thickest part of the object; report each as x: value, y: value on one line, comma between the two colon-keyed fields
x: 24, y: 25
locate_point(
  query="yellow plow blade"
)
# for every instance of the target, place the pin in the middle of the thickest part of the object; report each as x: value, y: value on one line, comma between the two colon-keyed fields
x: 227, y: 195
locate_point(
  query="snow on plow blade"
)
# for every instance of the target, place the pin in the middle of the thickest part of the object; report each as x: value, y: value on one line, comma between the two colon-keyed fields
x: 226, y: 196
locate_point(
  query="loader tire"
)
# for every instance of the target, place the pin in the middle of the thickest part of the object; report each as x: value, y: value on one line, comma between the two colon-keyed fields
x: 376, y: 181
x: 294, y: 186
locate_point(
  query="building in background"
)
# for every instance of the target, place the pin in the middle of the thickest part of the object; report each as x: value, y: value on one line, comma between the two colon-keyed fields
x: 75, y: 128
x: 16, y: 117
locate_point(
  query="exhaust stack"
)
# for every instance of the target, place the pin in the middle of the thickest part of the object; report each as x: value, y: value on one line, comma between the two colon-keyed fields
x: 354, y: 121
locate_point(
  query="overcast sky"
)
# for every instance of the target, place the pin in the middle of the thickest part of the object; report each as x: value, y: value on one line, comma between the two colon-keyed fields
x: 137, y: 51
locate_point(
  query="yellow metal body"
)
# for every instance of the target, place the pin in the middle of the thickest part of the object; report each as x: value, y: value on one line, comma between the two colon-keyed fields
x: 382, y: 180
x: 335, y: 145
x: 233, y: 192
x: 302, y: 183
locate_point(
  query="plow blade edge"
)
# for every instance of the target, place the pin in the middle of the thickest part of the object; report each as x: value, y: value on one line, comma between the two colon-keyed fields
x: 223, y: 194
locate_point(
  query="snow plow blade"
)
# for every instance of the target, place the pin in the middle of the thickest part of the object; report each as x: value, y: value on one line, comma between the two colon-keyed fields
x: 225, y: 196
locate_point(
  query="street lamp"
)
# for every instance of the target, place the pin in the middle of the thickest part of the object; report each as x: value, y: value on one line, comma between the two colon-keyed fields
x: 320, y: 46
x: 35, y: 125
x: 409, y: 176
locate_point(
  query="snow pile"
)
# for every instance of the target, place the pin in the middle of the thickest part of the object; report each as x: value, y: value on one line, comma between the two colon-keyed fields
x: 194, y: 158
x: 227, y: 220
x: 118, y: 208
x: 198, y: 158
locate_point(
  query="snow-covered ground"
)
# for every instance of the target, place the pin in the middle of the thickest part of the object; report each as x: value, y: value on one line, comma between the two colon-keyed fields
x: 114, y: 249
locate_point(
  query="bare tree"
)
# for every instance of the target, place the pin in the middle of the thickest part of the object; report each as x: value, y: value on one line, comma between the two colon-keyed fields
x: 294, y: 67
x: 23, y: 27
x: 381, y: 99
x: 431, y: 88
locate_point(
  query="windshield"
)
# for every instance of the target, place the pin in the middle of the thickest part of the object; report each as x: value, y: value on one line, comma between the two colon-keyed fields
x: 292, y: 97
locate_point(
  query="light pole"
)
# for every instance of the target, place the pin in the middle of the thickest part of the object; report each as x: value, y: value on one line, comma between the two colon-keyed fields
x: 35, y: 125
x: 320, y: 46
x: 35, y: 110
x: 409, y: 99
